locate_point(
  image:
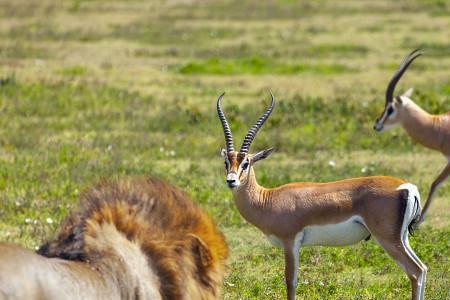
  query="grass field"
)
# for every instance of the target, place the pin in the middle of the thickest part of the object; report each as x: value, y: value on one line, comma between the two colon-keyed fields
x: 92, y: 89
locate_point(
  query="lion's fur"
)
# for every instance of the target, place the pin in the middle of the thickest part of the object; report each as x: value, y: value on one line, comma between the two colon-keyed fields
x: 178, y: 242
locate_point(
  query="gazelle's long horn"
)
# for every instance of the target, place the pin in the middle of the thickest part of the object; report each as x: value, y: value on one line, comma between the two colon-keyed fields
x: 398, y: 74
x: 254, y: 129
x: 226, y: 127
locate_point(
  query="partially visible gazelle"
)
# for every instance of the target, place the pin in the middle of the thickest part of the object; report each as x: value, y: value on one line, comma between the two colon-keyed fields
x: 432, y: 131
x: 329, y: 214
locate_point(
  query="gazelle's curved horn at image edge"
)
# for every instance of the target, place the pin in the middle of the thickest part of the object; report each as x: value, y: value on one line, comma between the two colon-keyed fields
x: 400, y: 71
x: 254, y: 129
x: 226, y: 127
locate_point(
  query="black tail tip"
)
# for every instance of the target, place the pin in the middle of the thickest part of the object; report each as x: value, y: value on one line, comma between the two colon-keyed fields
x: 414, y: 225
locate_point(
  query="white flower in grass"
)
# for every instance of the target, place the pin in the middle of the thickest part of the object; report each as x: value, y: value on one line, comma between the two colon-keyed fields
x: 28, y: 220
x: 35, y: 222
x: 172, y: 153
x: 49, y: 221
x: 161, y: 149
x: 321, y: 283
x: 332, y: 163
x: 364, y: 170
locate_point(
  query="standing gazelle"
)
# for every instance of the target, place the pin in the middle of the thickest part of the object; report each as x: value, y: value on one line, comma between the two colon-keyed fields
x: 328, y: 214
x: 432, y: 131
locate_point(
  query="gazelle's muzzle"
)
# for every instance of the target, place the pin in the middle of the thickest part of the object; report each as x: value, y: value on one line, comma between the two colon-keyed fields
x: 378, y: 126
x: 379, y: 123
x: 233, y: 180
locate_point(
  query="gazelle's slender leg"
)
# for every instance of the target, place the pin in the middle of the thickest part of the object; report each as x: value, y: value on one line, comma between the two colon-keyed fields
x: 436, y: 183
x: 405, y: 257
x: 291, y: 252
x: 413, y: 255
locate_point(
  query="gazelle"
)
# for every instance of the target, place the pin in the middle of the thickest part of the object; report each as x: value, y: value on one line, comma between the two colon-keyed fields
x: 328, y: 214
x: 432, y: 131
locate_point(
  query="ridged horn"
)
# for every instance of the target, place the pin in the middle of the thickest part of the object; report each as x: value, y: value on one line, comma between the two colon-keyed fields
x: 398, y: 74
x: 226, y: 127
x: 254, y: 129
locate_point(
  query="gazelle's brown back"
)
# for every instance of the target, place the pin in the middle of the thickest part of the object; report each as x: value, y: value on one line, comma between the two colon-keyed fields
x: 305, y: 204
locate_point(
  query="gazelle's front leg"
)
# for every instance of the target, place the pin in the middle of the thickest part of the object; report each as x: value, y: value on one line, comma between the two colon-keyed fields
x: 436, y: 183
x: 291, y: 252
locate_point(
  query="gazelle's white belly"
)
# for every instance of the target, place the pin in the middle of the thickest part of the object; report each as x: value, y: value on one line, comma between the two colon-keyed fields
x: 344, y: 233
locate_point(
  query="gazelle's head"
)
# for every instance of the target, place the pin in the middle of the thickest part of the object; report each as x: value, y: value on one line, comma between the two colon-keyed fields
x: 393, y: 108
x: 239, y: 163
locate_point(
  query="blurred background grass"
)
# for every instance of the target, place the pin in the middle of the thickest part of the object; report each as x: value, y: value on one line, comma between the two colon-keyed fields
x: 92, y: 89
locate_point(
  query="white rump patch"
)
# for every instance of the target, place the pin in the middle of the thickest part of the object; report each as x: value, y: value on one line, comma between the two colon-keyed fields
x: 344, y: 233
x: 410, y: 209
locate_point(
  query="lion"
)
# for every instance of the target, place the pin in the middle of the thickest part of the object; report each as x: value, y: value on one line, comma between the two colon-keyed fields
x: 133, y: 238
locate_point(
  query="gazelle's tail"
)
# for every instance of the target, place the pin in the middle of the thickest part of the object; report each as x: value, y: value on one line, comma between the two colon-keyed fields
x: 412, y: 208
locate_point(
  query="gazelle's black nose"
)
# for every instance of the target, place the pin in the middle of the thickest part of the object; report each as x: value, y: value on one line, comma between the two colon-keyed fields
x: 232, y: 183
x: 377, y: 128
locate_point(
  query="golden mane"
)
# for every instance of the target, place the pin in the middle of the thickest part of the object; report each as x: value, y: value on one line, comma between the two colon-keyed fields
x: 183, y: 246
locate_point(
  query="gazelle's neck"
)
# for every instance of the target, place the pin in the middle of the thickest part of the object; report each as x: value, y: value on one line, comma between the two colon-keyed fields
x: 251, y: 199
x: 420, y: 125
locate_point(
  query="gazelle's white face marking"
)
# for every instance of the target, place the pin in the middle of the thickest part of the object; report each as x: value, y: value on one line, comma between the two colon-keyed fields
x: 392, y: 112
x: 236, y: 167
x: 388, y: 118
x: 238, y: 164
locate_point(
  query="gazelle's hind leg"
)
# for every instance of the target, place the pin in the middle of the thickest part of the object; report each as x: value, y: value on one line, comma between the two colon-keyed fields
x: 405, y: 257
x: 393, y: 237
x: 413, y: 255
x: 436, y: 183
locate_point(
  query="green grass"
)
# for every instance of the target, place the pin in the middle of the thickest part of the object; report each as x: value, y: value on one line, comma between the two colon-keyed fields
x: 102, y: 89
x: 255, y: 65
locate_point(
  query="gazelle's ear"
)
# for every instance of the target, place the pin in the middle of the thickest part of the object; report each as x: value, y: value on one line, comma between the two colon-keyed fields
x: 223, y: 152
x: 262, y: 154
x: 408, y: 93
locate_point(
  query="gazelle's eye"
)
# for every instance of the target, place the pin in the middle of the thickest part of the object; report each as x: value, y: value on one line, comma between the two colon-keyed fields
x: 245, y: 166
x: 390, y: 110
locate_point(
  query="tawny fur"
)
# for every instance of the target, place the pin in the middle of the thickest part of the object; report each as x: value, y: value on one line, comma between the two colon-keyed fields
x: 129, y: 239
x: 431, y: 131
